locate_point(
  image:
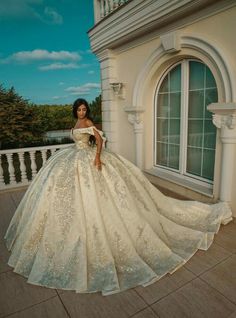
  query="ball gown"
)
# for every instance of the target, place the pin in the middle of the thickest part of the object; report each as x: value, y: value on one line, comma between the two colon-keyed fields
x: 78, y: 228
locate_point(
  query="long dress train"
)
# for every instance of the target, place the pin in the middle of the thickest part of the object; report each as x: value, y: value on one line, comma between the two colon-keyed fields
x: 86, y: 230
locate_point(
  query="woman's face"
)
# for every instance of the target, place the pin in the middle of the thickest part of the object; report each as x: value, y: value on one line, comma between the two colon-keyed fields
x: 81, y: 111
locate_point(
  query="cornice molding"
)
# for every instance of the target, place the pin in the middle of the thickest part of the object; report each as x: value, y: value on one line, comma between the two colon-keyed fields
x: 139, y: 17
x: 105, y: 55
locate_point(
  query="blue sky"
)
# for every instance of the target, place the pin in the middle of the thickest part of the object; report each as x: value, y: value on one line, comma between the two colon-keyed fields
x: 45, y: 52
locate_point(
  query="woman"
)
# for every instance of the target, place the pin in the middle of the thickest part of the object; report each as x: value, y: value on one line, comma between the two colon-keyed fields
x: 90, y: 221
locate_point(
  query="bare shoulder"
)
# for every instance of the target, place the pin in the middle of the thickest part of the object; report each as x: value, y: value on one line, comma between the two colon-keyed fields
x: 89, y: 123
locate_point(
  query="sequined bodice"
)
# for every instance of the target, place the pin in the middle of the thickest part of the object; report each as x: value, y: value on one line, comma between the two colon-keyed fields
x: 80, y: 137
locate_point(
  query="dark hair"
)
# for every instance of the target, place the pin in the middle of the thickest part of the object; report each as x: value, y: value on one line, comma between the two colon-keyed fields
x: 77, y: 104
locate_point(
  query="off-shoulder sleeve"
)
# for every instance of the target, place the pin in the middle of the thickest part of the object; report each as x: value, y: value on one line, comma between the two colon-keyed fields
x: 93, y: 128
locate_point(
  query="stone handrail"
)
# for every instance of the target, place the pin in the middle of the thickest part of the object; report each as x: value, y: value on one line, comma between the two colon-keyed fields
x: 103, y: 8
x: 19, y: 166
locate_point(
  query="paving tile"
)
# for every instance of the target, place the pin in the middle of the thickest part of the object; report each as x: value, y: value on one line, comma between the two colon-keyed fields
x: 194, y: 300
x: 4, y: 256
x: 146, y: 313
x: 223, y: 278
x: 18, y: 195
x: 7, y: 209
x: 233, y: 315
x: 62, y: 291
x: 121, y: 305
x: 16, y: 294
x: 204, y: 260
x: 165, y: 286
x: 47, y: 309
x: 226, y: 237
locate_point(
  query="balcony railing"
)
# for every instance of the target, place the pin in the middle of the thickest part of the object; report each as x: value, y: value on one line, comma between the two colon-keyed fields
x: 103, y: 8
x: 19, y: 166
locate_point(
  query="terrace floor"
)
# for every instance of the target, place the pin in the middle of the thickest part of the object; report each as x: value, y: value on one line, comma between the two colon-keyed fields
x: 204, y: 287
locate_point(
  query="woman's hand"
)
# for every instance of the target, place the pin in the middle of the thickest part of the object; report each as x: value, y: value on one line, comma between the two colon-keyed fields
x: 98, y: 163
x: 99, y: 142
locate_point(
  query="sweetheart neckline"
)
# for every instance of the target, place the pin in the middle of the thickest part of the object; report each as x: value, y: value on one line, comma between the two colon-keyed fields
x: 82, y: 128
x: 72, y: 129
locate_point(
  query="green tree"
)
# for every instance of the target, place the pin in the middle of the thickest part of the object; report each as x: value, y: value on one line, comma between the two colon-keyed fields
x: 96, y: 109
x: 55, y: 117
x: 18, y: 121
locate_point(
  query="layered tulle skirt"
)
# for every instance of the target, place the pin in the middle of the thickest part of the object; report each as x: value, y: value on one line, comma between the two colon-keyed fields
x: 86, y: 230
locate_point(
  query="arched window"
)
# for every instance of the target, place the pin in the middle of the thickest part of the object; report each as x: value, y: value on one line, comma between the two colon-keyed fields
x: 184, y: 133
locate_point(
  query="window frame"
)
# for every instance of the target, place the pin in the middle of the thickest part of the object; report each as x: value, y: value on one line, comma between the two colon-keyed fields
x: 180, y: 175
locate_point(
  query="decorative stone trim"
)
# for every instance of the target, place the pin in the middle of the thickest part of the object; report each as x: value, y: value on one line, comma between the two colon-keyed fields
x: 203, y: 47
x: 171, y: 42
x: 141, y: 17
x: 135, y: 117
x: 226, y: 121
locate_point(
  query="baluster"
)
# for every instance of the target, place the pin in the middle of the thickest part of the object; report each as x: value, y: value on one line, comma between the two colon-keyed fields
x: 11, y: 169
x: 106, y: 7
x: 1, y: 173
x: 33, y: 163
x: 53, y: 151
x: 102, y: 11
x: 22, y: 167
x: 44, y: 155
x: 117, y: 3
x: 113, y: 5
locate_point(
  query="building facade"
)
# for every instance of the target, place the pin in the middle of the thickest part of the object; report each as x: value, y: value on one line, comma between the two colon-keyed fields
x: 168, y: 75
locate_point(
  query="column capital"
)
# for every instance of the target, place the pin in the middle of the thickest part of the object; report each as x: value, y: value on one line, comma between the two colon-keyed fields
x: 224, y: 121
x: 224, y: 118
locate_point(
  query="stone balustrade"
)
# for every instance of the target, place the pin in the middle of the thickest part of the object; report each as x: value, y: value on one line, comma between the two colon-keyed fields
x: 19, y: 166
x: 103, y: 8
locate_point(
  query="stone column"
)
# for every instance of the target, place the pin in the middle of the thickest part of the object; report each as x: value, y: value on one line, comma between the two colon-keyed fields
x: 135, y: 118
x: 224, y: 118
x: 107, y: 62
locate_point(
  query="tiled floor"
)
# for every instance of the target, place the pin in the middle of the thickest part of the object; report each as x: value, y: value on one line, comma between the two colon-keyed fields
x: 204, y: 287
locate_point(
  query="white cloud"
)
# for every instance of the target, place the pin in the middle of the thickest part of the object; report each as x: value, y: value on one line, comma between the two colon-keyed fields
x: 29, y: 9
x: 62, y: 83
x: 54, y: 17
x: 92, y: 85
x: 81, y: 93
x: 91, y: 72
x: 58, y: 66
x: 83, y: 89
x: 59, y: 97
x: 40, y: 55
x: 18, y: 9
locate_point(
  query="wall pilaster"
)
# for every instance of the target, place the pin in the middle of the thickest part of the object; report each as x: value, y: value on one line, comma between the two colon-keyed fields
x: 224, y: 118
x: 107, y: 60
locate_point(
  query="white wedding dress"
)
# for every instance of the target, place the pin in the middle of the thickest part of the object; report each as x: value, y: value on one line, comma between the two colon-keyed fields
x: 82, y: 229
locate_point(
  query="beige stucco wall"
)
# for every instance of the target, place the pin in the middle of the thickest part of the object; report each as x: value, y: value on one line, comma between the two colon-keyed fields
x: 129, y: 65
x: 218, y: 29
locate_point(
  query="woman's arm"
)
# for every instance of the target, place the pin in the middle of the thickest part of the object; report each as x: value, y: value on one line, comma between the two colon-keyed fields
x: 99, y: 141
